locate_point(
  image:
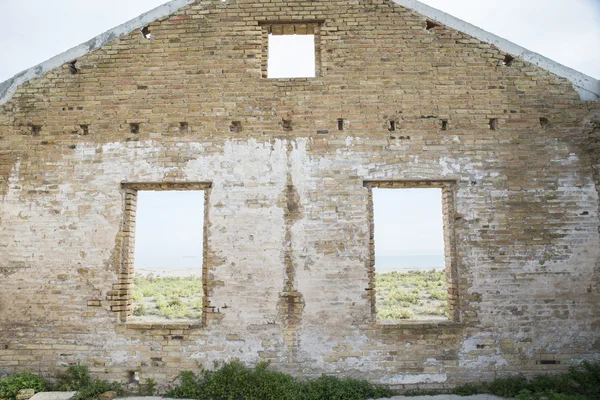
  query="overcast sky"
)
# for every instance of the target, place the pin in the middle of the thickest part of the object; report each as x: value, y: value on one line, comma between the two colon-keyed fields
x: 33, y: 31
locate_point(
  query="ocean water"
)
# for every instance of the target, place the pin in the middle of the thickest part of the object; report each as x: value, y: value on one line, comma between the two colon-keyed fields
x: 407, y: 263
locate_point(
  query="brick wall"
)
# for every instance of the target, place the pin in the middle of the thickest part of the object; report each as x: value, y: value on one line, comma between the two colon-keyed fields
x: 287, y: 242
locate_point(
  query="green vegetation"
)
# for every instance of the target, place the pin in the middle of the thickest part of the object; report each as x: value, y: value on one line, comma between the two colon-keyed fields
x: 9, y: 387
x: 411, y: 295
x: 579, y: 383
x: 168, y: 297
x: 78, y: 378
x: 235, y: 381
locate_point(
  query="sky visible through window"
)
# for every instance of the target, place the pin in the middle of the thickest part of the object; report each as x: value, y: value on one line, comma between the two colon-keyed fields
x: 291, y: 56
x: 408, y: 229
x: 169, y: 232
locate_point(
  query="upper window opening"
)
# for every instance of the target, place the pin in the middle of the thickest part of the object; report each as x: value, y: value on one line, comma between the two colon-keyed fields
x: 291, y: 50
x: 168, y: 282
x: 291, y: 56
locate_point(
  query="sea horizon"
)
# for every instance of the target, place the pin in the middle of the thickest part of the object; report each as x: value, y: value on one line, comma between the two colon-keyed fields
x: 409, y: 262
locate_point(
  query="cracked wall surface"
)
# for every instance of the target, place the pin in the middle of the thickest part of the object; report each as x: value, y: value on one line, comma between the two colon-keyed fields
x: 287, y: 250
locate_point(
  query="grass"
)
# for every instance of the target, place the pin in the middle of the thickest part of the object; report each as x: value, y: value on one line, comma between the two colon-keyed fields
x: 168, y: 297
x: 411, y: 295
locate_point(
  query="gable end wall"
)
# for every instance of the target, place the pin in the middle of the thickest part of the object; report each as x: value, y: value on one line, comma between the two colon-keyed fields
x: 287, y: 247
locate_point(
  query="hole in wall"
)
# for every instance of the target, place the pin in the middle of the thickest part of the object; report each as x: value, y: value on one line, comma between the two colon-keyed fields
x: 236, y: 126
x: 73, y: 67
x: 146, y: 32
x: 286, y: 124
x: 494, y: 124
x: 85, y: 129
x: 544, y: 122
x: 391, y: 124
x: 36, y: 130
x: 444, y: 124
x: 508, y: 59
x: 184, y: 126
x: 134, y: 128
x: 432, y: 25
x: 340, y: 123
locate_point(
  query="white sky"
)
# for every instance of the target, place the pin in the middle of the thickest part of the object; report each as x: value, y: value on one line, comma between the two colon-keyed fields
x: 33, y: 31
x: 169, y: 229
x: 291, y: 56
x: 408, y: 222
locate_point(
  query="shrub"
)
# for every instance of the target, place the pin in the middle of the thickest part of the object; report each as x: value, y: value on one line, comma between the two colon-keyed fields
x: 97, y: 387
x: 577, y: 383
x: 148, y: 388
x: 467, y: 389
x: 332, y: 388
x: 508, y: 387
x: 78, y: 378
x: 235, y: 381
x: 9, y: 387
x: 75, y: 378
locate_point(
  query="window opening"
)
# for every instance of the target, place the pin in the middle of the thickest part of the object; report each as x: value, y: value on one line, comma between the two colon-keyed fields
x: 411, y: 262
x: 168, y: 256
x: 291, y: 56
x: 340, y: 122
x: 291, y: 50
x: 444, y: 124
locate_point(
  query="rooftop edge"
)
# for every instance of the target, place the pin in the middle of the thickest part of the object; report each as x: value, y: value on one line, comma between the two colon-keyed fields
x: 587, y: 86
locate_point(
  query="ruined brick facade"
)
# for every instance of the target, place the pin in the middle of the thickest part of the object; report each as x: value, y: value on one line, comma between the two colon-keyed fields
x: 288, y: 237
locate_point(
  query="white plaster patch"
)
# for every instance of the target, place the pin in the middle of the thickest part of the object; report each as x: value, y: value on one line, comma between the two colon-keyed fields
x: 469, y: 345
x: 118, y: 357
